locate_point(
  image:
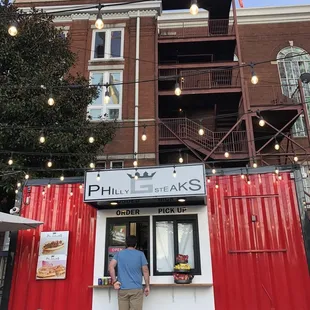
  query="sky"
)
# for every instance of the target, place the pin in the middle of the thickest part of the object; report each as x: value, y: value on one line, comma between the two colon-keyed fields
x: 260, y: 3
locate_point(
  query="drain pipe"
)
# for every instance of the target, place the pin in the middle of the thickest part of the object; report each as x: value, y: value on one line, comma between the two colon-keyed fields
x: 136, y: 133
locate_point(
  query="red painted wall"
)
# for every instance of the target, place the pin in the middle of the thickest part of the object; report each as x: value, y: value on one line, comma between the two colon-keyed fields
x: 59, y: 211
x: 257, y: 281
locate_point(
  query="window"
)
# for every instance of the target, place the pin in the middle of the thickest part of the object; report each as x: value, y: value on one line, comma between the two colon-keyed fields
x: 107, y: 44
x: 117, y: 164
x: 290, y: 70
x: 101, y: 164
x: 99, y: 110
x: 172, y: 236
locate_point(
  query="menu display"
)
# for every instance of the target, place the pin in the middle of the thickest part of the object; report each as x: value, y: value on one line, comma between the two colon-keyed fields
x: 52, y: 259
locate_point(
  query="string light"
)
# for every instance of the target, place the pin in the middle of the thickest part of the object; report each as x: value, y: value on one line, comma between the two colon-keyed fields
x: 12, y: 30
x: 19, y: 184
x: 43, y: 191
x: 27, y: 176
x: 136, y: 175
x: 174, y: 172
x: 49, y: 185
x: 42, y: 138
x: 242, y: 176
x: 226, y: 154
x: 254, y: 78
x: 49, y: 163
x: 249, y: 181
x: 107, y: 95
x: 180, y: 158
x: 276, y: 171
x: 10, y: 161
x: 201, y: 131
x: 177, y: 89
x: 98, y: 176
x: 213, y: 170
x: 255, y: 164
x: 135, y: 162
x: 261, y: 121
x: 92, y: 165
x: 144, y: 137
x: 216, y: 186
x: 276, y: 146
x: 80, y: 186
x: 280, y: 177
x: 71, y: 192
x: 62, y: 177
x: 99, y: 22
x: 295, y: 159
x: 194, y: 7
x: 208, y: 180
x: 16, y: 191
x: 91, y: 139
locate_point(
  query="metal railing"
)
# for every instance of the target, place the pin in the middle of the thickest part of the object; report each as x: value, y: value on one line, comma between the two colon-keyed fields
x: 207, y: 28
x: 203, y: 78
x: 187, y: 129
x: 3, y: 262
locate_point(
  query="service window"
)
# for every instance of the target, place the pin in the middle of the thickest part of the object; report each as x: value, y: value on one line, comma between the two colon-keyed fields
x: 117, y: 231
x: 172, y: 236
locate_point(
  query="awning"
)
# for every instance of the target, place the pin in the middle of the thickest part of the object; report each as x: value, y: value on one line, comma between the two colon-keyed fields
x: 13, y: 222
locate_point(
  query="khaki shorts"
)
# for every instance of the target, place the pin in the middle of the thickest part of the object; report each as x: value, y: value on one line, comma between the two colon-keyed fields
x: 130, y: 299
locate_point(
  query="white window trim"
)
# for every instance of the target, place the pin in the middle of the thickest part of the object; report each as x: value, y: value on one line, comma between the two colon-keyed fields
x: 64, y: 30
x: 116, y: 161
x: 120, y: 106
x: 107, y: 47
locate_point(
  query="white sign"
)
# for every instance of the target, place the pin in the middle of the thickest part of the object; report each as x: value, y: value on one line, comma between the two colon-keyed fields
x: 109, y: 185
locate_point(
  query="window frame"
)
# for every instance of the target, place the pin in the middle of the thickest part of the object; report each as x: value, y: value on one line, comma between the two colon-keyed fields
x: 107, y: 46
x: 123, y: 220
x: 190, y: 218
x: 116, y: 161
x: 105, y: 107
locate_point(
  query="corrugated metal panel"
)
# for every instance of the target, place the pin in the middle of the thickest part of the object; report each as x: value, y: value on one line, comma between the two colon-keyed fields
x: 59, y: 211
x: 258, y: 255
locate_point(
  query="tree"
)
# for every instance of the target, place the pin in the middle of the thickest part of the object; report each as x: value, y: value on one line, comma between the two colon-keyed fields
x: 34, y: 65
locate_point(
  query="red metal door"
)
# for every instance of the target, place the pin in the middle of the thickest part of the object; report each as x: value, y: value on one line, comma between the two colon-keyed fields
x: 258, y: 255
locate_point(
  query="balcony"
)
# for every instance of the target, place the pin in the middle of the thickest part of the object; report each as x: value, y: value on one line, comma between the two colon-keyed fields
x: 174, y: 131
x: 199, y: 81
x: 209, y: 30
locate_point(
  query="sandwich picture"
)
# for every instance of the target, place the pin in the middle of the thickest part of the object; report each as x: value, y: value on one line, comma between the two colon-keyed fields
x: 51, y: 272
x: 52, y: 246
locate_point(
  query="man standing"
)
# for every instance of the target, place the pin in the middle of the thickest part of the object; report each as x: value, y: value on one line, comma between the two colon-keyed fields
x: 131, y: 264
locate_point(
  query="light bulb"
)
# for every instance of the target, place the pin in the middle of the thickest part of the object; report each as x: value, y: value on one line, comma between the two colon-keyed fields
x: 277, y: 146
x: 106, y: 97
x: 249, y: 182
x: 12, y: 30
x: 242, y: 176
x: 136, y: 176
x: 16, y: 191
x: 226, y: 154
x: 276, y: 171
x: 98, y: 177
x: 10, y: 162
x: 174, y: 173
x: 27, y: 176
x: 295, y: 159
x: 99, y: 22
x: 80, y: 186
x: 254, y: 165
x: 280, y: 177
x: 261, y: 122
x: 71, y: 193
x: 201, y: 132
x: 43, y: 192
x: 49, y: 185
x: 42, y: 139
x: 51, y: 101
x: 92, y: 165
x: 177, y: 89
x: 91, y: 139
x: 216, y: 186
x: 254, y: 79
x: 213, y: 171
x: 181, y: 160
x: 62, y: 177
x: 144, y: 137
x: 19, y: 184
x: 135, y: 163
x: 194, y: 8
x: 208, y: 180
x: 49, y: 163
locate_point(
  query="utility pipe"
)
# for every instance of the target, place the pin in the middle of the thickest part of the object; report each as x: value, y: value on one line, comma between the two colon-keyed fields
x: 136, y: 133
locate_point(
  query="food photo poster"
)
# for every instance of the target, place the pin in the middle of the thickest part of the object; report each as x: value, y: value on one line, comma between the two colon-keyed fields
x: 52, y: 259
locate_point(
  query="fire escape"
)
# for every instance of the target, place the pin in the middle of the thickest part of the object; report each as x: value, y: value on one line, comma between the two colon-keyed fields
x: 200, y: 53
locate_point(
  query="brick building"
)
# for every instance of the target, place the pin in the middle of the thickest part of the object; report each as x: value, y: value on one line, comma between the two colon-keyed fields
x: 216, y: 117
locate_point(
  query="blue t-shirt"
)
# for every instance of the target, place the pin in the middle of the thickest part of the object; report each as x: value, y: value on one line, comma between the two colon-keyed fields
x: 129, y: 272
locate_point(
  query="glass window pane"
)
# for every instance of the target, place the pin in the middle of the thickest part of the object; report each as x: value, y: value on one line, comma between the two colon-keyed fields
x: 115, y: 90
x: 113, y: 114
x: 99, y: 45
x: 97, y: 78
x: 116, y: 37
x: 95, y: 114
x: 165, y: 256
x: 186, y: 242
